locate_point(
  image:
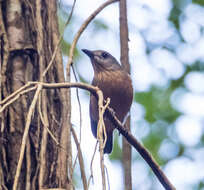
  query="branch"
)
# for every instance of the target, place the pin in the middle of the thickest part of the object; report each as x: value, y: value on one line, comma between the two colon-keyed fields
x: 70, y: 61
x: 59, y: 41
x: 101, y: 131
x: 81, y: 161
x: 25, y: 135
x: 91, y: 165
x: 141, y: 149
x: 118, y: 125
x: 124, y: 59
x: 82, y: 28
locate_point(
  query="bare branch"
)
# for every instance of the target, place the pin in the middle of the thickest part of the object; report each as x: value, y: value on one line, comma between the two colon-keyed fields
x: 25, y: 135
x: 14, y: 94
x: 124, y: 59
x: 95, y: 91
x: 91, y: 165
x: 59, y: 41
x: 141, y: 150
x: 82, y: 28
x: 81, y: 161
x: 16, y: 97
x: 101, y: 131
x: 79, y: 103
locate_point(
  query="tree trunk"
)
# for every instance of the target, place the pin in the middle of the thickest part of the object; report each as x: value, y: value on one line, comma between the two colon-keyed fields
x: 28, y: 37
x: 126, y: 148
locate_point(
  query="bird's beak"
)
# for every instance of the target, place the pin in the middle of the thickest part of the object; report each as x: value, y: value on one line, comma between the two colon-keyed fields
x: 88, y: 52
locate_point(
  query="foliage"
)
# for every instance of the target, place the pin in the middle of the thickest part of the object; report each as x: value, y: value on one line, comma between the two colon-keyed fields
x: 200, y: 2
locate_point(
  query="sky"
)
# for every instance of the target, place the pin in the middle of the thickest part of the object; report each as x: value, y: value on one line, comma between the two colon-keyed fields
x: 148, y: 22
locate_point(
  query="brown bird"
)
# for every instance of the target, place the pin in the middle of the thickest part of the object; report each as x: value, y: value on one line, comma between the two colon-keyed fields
x: 116, y: 84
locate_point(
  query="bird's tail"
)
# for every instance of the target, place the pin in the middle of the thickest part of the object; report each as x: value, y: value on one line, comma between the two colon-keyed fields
x: 109, y: 144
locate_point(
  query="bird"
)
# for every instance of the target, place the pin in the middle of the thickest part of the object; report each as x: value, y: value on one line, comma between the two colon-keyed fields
x: 116, y: 84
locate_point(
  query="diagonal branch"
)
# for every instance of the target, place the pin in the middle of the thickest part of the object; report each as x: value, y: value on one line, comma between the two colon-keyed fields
x: 81, y: 161
x: 118, y: 125
x: 141, y: 150
x: 83, y: 27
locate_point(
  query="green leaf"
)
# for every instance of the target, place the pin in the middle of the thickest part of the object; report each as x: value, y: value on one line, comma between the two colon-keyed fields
x: 200, y: 2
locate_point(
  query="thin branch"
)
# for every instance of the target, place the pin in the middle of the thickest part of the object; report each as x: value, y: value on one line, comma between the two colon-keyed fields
x: 43, y: 144
x: 72, y: 48
x: 59, y: 41
x: 25, y: 135
x: 91, y: 165
x: 100, y: 132
x: 107, y: 177
x: 82, y: 28
x: 5, y: 50
x: 141, y: 150
x: 44, y: 122
x: 28, y: 165
x: 79, y: 103
x: 11, y: 100
x: 81, y: 161
x: 14, y: 93
x: 130, y: 138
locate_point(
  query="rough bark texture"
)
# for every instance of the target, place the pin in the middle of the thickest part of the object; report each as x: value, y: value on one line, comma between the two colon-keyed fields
x: 126, y: 153
x: 28, y: 37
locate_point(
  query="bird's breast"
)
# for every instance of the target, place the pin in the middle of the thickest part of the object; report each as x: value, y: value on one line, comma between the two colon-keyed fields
x: 117, y: 86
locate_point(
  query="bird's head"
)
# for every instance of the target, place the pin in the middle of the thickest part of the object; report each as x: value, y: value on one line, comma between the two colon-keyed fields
x: 102, y: 60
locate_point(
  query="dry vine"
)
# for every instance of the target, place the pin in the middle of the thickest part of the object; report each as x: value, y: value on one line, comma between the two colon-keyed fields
x: 97, y: 92
x: 70, y: 61
x: 38, y: 86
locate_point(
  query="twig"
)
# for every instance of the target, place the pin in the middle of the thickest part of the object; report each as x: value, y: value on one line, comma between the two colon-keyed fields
x: 41, y: 53
x: 78, y: 34
x: 25, y: 135
x: 101, y: 131
x: 59, y: 41
x: 44, y: 123
x: 107, y: 178
x: 81, y: 161
x: 80, y: 116
x: 82, y: 28
x: 14, y: 93
x: 130, y: 138
x: 28, y: 165
x: 91, y: 165
x: 16, y: 97
x: 141, y: 149
x: 79, y: 103
x: 19, y: 92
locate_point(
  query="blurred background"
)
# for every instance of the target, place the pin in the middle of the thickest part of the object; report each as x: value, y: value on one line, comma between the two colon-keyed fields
x: 166, y: 50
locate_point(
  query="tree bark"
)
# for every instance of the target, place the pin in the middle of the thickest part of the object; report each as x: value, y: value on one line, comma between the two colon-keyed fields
x: 28, y: 37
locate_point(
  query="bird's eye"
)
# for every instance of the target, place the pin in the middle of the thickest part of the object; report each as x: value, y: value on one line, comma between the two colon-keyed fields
x: 104, y: 55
